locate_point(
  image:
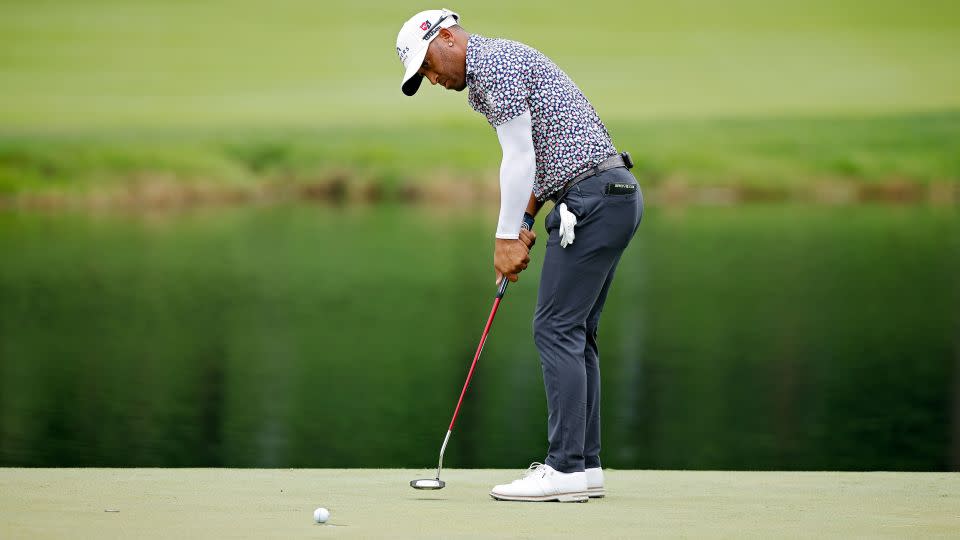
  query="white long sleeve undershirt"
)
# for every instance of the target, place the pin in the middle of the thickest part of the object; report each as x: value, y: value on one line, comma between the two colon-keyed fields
x: 516, y: 173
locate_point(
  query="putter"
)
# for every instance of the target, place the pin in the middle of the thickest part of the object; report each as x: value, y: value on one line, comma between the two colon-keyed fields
x: 437, y: 483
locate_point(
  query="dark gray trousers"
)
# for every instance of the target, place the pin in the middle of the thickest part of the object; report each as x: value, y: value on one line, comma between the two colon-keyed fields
x: 573, y: 287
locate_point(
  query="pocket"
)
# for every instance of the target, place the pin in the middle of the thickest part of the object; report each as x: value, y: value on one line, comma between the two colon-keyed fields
x: 621, y: 190
x: 574, y: 201
x: 552, y: 222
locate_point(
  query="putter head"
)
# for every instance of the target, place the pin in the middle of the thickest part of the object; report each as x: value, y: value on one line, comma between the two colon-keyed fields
x: 427, y: 483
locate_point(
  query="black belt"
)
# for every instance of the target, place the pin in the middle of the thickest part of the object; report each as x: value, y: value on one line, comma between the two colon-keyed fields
x: 620, y: 160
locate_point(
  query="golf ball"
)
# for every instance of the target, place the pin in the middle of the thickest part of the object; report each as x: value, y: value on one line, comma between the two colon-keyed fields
x: 321, y: 515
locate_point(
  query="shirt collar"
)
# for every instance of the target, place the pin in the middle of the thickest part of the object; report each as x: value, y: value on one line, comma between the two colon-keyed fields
x: 474, y: 42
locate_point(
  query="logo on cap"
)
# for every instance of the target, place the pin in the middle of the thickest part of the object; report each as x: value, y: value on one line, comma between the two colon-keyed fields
x: 425, y: 26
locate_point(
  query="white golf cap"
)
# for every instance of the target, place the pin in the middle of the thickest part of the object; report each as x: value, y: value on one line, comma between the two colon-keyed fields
x: 414, y: 38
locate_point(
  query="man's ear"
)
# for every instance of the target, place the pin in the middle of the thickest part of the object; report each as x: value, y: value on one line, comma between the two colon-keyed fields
x: 446, y: 35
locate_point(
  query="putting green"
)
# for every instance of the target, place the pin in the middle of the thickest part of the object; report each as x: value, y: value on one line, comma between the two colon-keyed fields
x: 171, y: 503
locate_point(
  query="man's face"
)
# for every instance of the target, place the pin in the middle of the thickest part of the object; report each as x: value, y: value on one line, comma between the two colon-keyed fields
x: 445, y: 64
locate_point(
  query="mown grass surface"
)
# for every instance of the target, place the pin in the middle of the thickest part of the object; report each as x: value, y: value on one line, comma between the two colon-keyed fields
x: 259, y: 503
x: 107, y: 63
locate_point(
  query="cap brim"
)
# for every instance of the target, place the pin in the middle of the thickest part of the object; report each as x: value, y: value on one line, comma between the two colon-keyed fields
x: 412, y: 79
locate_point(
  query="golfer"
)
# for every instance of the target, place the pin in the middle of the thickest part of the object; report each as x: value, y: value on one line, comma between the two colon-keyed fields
x: 554, y: 148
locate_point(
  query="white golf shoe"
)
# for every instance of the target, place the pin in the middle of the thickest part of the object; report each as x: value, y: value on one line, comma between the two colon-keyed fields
x: 544, y: 483
x: 595, y: 482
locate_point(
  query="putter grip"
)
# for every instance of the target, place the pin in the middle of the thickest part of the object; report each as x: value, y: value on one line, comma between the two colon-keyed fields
x: 528, y: 225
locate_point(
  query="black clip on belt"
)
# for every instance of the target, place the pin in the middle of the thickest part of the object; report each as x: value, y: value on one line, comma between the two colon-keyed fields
x: 620, y: 160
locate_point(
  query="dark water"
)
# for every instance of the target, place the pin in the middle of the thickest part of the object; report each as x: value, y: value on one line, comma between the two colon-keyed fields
x: 748, y: 337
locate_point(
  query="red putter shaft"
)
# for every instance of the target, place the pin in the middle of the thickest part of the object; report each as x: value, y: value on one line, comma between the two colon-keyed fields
x: 483, y: 339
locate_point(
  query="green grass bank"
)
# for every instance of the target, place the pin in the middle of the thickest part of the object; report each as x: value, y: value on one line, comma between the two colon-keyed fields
x: 906, y: 157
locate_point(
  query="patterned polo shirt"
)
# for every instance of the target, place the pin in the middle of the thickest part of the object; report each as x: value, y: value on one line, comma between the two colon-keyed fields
x: 506, y: 78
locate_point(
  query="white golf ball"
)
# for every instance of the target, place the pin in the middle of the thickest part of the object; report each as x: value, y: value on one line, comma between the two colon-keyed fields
x: 321, y: 515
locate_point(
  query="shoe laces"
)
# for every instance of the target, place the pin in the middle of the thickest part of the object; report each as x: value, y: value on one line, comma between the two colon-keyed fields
x: 536, y: 468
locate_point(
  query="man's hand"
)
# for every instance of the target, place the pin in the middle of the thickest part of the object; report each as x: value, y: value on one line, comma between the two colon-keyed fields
x: 528, y: 237
x: 510, y: 257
